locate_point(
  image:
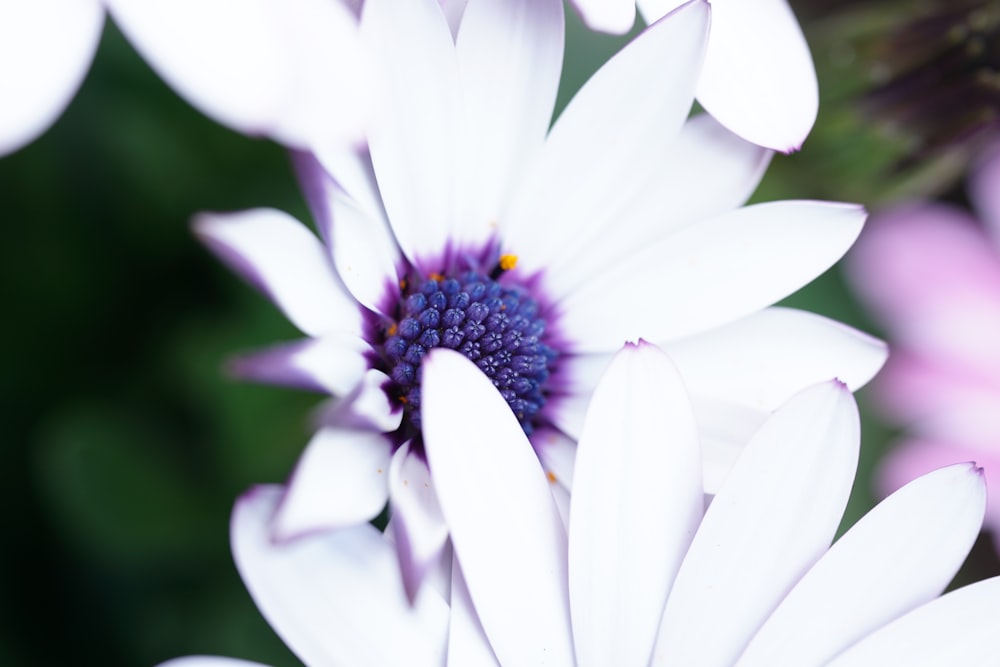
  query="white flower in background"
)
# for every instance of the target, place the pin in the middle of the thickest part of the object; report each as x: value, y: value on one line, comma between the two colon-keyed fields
x: 758, y: 80
x: 45, y: 51
x: 273, y: 68
x: 470, y: 225
x: 644, y: 575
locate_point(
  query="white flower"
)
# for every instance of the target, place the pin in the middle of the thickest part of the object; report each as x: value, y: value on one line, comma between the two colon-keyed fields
x: 645, y: 575
x: 537, y: 253
x: 758, y: 80
x: 274, y: 68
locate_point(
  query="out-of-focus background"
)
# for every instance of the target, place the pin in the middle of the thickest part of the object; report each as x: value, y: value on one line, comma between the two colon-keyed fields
x: 124, y: 445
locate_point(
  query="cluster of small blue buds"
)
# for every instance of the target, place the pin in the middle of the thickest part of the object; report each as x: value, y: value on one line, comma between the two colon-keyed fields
x: 496, y: 327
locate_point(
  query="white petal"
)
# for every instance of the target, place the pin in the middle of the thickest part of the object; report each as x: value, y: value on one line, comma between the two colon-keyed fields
x: 567, y: 412
x: 334, y: 363
x: 583, y: 372
x: 758, y: 79
x: 208, y: 661
x: 724, y: 429
x: 707, y: 171
x: 283, y: 259
x: 557, y: 452
x: 340, y: 480
x: 344, y: 171
x: 45, y: 49
x: 261, y: 67
x: 505, y: 528
x: 763, y: 359
x: 773, y: 518
x: 453, y: 11
x: 334, y: 598
x: 710, y: 273
x: 418, y: 527
x: 956, y: 629
x: 637, y: 500
x: 510, y: 57
x: 467, y: 643
x: 608, y: 142
x: 355, y: 229
x: 366, y: 407
x: 413, y: 144
x: 900, y: 555
x: 614, y: 16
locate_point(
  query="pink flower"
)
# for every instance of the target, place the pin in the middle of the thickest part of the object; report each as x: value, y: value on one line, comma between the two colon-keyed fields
x: 931, y: 273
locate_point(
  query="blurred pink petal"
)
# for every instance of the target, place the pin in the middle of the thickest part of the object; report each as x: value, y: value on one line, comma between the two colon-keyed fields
x: 931, y: 273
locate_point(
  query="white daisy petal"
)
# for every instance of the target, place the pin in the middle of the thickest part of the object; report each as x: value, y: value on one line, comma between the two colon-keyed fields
x: 334, y: 363
x: 724, y: 429
x: 557, y: 453
x: 507, y: 101
x: 365, y: 254
x: 613, y: 16
x: 261, y: 67
x: 568, y: 412
x: 759, y: 79
x: 413, y: 144
x: 955, y: 629
x: 898, y: 556
x: 608, y: 142
x: 752, y: 547
x: 283, y: 259
x: 763, y: 359
x: 46, y: 47
x: 710, y: 273
x: 345, y: 580
x: 583, y: 371
x: 707, y: 171
x: 505, y: 528
x: 355, y: 229
x: 366, y: 407
x: 453, y: 12
x: 637, y: 500
x: 419, y: 529
x: 208, y: 661
x: 348, y: 172
x: 339, y: 481
x: 467, y: 643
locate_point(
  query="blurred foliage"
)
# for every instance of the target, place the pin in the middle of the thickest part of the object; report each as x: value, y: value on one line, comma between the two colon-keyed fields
x: 124, y: 442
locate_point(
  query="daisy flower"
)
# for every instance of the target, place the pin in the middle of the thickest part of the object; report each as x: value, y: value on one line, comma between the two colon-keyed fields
x: 758, y: 79
x: 930, y: 273
x: 263, y: 67
x: 644, y: 575
x: 468, y: 224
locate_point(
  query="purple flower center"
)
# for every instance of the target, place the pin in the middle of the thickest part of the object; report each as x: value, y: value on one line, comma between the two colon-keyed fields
x: 497, y: 326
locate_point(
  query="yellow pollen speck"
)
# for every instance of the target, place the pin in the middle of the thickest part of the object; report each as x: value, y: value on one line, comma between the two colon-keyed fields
x: 508, y: 262
x: 403, y: 400
x: 402, y: 283
x: 392, y: 329
x: 551, y: 476
x: 436, y: 276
